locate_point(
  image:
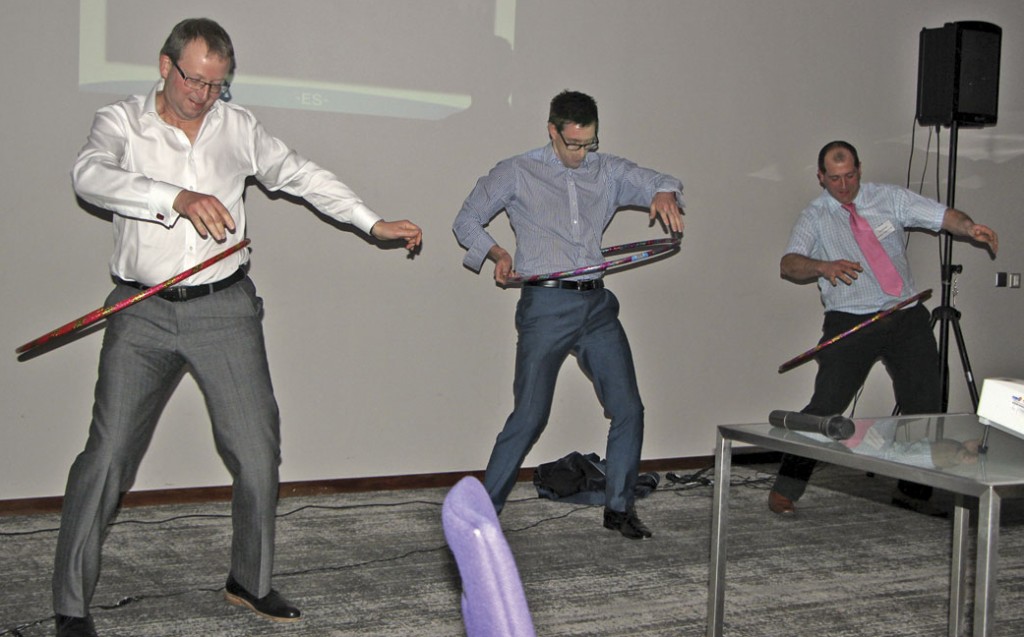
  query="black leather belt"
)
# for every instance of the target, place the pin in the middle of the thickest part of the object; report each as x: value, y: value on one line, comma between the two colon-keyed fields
x: 189, y: 292
x: 583, y: 286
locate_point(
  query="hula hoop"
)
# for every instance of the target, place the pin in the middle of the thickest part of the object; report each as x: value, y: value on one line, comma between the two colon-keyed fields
x: 104, y: 312
x: 646, y: 250
x: 793, y: 362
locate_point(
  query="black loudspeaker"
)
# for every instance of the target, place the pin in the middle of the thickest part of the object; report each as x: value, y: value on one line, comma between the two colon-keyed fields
x: 958, y: 74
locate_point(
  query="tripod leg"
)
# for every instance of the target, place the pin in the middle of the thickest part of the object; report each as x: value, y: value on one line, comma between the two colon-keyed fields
x: 941, y: 315
x: 965, y: 363
x: 949, y: 317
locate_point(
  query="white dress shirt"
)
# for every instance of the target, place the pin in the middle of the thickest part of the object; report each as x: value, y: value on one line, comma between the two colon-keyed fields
x: 135, y: 164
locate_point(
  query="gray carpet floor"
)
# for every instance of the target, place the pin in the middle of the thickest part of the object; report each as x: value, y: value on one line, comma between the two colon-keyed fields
x: 376, y: 564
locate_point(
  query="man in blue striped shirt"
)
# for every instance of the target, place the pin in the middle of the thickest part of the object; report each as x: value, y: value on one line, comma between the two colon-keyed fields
x: 822, y: 247
x: 559, y: 199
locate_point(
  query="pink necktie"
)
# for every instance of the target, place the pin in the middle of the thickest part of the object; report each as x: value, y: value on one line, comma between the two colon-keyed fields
x: 878, y: 259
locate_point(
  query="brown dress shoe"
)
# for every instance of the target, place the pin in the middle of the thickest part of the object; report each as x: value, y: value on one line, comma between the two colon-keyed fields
x: 780, y: 504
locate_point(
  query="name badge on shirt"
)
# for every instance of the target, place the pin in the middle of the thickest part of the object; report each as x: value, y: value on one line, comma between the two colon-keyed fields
x: 884, y: 229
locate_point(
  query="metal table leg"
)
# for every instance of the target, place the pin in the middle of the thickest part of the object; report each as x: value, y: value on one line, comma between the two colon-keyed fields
x: 957, y: 588
x: 988, y: 552
x: 719, y: 519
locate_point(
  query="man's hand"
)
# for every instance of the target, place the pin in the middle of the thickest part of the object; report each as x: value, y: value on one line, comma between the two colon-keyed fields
x: 984, y: 234
x: 960, y: 223
x: 390, y: 230
x: 665, y: 207
x: 502, y: 264
x: 797, y: 267
x: 843, y: 270
x: 207, y: 214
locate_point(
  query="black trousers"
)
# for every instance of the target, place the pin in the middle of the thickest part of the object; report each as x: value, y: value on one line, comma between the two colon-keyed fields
x: 906, y: 345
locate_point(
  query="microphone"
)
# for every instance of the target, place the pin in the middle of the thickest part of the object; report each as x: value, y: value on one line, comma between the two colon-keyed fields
x: 835, y: 427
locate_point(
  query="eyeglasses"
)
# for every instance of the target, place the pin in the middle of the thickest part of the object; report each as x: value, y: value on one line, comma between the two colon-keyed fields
x: 589, y: 146
x: 196, y: 84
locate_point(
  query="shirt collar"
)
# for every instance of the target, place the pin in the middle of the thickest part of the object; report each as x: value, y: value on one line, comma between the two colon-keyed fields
x: 551, y: 157
x: 834, y: 205
x: 149, y: 105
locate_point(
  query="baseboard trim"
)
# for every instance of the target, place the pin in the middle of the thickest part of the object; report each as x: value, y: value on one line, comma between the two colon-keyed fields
x: 195, y: 495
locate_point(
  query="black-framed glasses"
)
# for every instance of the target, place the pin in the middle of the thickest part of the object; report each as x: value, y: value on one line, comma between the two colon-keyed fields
x: 590, y: 146
x: 196, y: 84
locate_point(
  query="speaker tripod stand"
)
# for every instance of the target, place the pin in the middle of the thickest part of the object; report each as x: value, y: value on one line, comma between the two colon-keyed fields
x: 958, y: 83
x: 947, y: 316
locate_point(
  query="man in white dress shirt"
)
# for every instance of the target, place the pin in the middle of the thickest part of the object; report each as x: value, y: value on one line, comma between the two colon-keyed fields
x: 172, y: 167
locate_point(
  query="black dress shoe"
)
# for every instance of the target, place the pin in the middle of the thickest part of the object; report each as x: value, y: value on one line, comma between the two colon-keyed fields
x: 272, y: 605
x: 924, y: 507
x: 627, y: 523
x: 75, y: 626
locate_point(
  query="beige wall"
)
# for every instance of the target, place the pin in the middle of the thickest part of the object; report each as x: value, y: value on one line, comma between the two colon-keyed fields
x: 385, y: 365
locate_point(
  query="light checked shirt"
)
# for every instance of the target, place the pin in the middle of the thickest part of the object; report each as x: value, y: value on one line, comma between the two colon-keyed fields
x: 823, y: 232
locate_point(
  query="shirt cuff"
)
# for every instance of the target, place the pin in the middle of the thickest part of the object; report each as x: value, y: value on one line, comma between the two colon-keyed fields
x: 364, y: 218
x: 477, y: 254
x: 161, y: 203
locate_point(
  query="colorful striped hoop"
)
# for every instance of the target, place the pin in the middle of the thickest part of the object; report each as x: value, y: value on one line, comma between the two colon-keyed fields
x: 646, y: 250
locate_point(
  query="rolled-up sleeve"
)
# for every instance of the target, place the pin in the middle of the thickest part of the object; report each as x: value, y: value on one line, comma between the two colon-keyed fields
x: 489, y: 197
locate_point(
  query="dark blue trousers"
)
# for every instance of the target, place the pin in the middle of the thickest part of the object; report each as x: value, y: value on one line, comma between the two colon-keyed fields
x: 552, y: 324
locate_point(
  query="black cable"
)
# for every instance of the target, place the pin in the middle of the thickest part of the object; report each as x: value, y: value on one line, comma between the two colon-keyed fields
x: 694, y: 479
x: 218, y: 516
x: 924, y: 171
x: 700, y: 478
x: 910, y: 161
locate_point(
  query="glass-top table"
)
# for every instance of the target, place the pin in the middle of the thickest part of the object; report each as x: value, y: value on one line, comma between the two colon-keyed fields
x: 941, y: 450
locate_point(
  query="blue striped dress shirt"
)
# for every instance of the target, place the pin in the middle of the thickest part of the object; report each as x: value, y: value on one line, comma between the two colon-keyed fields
x: 558, y: 214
